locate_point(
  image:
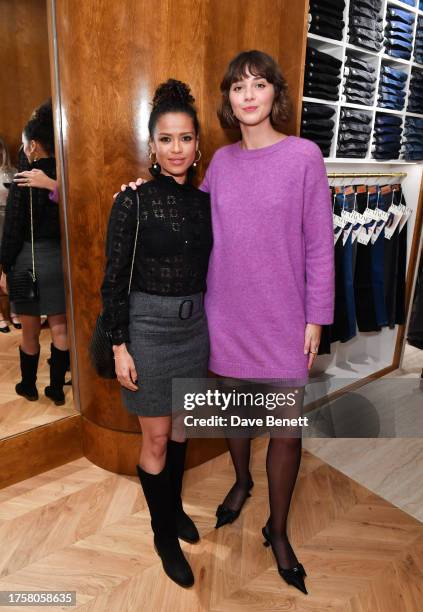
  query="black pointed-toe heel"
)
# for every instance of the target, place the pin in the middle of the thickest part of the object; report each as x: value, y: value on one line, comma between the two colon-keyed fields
x: 226, y: 515
x: 293, y: 576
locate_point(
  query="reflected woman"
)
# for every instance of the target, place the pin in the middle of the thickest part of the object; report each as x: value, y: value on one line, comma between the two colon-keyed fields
x: 17, y: 258
x: 161, y: 331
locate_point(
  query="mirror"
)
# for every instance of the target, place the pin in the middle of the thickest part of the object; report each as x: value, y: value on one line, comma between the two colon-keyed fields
x: 27, y: 144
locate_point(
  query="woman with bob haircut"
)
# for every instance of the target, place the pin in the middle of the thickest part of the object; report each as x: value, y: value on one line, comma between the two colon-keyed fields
x: 270, y: 283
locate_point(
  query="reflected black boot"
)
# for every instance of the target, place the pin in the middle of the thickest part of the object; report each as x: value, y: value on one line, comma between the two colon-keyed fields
x: 58, y: 364
x: 175, y: 459
x: 29, y: 367
x: 158, y: 493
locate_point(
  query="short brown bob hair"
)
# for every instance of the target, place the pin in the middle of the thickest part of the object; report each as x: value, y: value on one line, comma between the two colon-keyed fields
x: 260, y: 64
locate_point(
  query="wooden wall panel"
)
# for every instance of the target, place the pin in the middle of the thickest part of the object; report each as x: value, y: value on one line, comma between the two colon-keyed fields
x: 111, y: 56
x: 25, y: 71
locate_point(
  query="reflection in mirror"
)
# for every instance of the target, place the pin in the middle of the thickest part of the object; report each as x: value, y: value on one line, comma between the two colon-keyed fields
x: 35, y: 378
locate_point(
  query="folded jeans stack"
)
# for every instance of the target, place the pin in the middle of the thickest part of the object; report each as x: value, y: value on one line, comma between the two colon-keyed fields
x: 365, y: 24
x: 387, y: 136
x: 359, y: 82
x: 354, y: 133
x: 322, y: 75
x: 415, y: 98
x: 412, y: 142
x: 418, y: 44
x: 399, y: 32
x: 325, y: 18
x: 318, y: 125
x: 392, y: 88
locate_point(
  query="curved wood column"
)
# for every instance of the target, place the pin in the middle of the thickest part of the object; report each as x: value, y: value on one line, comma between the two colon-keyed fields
x: 109, y: 57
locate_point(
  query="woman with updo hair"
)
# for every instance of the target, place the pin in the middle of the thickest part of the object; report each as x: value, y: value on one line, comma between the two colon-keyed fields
x: 158, y: 245
x: 32, y: 243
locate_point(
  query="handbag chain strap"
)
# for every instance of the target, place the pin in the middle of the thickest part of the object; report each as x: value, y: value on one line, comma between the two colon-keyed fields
x: 32, y: 234
x: 135, y: 243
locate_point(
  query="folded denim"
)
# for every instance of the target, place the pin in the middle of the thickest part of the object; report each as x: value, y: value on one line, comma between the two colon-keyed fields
x: 354, y: 62
x: 351, y: 126
x: 322, y: 68
x: 372, y: 35
x: 338, y: 4
x: 318, y: 8
x: 389, y: 138
x: 352, y: 72
x: 400, y: 15
x: 402, y: 36
x: 317, y: 111
x: 374, y: 5
x: 326, y: 30
x: 415, y: 140
x: 397, y: 53
x: 363, y: 22
x: 415, y: 122
x: 321, y: 57
x: 384, y: 131
x: 385, y: 79
x: 315, y: 124
x: 415, y: 108
x: 361, y: 86
x: 322, y: 142
x: 391, y: 105
x: 355, y: 115
x: 368, y: 43
x: 332, y: 89
x: 353, y: 137
x: 350, y: 99
x: 389, y: 91
x: 352, y: 151
x: 413, y: 156
x: 399, y: 26
x: 317, y: 78
x: 391, y: 151
x: 397, y: 75
x: 359, y: 11
x: 398, y: 44
x: 382, y: 119
x: 339, y: 24
x: 318, y: 93
x: 413, y: 148
x: 409, y: 2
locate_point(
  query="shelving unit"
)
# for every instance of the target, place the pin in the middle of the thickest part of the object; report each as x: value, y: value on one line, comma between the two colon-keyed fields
x: 369, y: 354
x: 339, y: 49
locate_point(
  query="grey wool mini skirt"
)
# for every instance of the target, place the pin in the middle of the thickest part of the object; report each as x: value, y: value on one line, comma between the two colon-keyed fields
x: 168, y: 339
x: 49, y: 274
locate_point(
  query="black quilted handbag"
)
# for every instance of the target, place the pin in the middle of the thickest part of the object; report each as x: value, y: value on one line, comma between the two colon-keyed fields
x: 22, y: 285
x: 101, y: 346
x: 101, y: 351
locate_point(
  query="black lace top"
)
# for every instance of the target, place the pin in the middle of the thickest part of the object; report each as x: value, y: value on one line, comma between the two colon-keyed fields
x: 17, y: 223
x: 173, y: 247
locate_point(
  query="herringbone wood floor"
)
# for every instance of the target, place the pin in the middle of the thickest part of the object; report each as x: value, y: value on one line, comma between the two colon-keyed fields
x: 16, y: 413
x: 79, y: 527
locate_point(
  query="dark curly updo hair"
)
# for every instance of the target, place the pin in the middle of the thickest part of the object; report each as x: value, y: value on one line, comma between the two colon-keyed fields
x: 172, y: 97
x: 259, y: 64
x: 41, y: 128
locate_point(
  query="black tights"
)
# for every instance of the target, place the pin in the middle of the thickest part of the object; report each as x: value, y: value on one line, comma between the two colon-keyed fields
x: 282, y: 465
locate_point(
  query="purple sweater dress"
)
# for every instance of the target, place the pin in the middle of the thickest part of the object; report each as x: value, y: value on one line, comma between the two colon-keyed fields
x: 271, y: 269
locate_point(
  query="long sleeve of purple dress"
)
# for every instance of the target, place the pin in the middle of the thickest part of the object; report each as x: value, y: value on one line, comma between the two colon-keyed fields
x: 271, y: 270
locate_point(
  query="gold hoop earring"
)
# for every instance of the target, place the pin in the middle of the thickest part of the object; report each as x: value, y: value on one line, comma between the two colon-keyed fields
x: 198, y: 159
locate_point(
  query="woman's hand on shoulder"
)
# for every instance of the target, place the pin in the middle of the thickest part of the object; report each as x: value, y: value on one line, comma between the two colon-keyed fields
x: 34, y: 178
x: 125, y: 367
x: 133, y: 185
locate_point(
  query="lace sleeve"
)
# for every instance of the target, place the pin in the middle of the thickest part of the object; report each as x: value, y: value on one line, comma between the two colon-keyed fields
x: 13, y: 231
x: 119, y: 250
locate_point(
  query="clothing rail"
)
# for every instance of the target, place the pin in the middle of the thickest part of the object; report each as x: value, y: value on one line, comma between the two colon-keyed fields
x: 363, y: 175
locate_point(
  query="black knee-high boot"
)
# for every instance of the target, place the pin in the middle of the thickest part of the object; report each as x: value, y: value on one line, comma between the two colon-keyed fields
x: 158, y: 493
x: 29, y: 367
x: 175, y: 459
x: 58, y: 364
